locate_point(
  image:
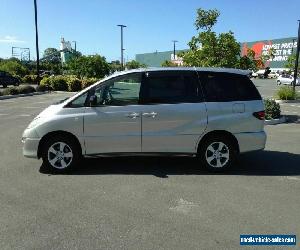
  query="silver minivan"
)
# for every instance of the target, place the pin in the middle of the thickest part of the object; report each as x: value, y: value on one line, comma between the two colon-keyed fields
x: 211, y: 113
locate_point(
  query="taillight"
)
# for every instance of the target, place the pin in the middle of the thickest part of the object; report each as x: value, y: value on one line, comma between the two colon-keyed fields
x: 259, y: 115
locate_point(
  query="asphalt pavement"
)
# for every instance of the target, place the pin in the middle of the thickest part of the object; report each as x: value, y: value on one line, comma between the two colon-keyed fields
x: 144, y: 202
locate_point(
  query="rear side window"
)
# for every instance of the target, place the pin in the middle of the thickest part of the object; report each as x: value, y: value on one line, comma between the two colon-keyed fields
x: 226, y: 87
x: 170, y: 87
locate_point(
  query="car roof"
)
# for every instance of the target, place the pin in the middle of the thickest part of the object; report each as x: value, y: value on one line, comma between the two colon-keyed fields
x: 202, y: 69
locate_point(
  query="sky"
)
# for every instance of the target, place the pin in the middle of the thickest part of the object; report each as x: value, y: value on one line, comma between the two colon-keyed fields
x: 151, y: 24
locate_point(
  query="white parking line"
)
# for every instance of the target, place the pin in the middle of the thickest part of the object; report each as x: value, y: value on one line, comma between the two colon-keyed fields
x: 24, y: 115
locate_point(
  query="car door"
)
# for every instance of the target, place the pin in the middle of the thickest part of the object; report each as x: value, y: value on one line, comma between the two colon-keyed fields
x: 113, y: 123
x: 174, y: 114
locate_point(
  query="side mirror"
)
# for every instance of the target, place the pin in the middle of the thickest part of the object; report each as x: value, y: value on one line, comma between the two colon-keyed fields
x: 93, y: 101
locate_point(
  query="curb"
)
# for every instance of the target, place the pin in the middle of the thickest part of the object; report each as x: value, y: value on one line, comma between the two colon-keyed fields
x: 21, y: 95
x: 282, y: 119
x: 287, y: 101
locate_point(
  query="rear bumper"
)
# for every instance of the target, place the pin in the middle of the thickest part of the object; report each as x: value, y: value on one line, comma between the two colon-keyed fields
x: 30, y: 147
x: 251, y: 141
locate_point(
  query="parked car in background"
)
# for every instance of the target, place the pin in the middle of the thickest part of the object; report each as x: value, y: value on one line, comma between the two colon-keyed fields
x: 286, y: 79
x: 7, y: 79
x: 211, y: 113
x: 259, y: 73
x: 273, y: 75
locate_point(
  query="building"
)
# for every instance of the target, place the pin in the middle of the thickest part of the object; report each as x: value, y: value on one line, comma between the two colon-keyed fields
x: 283, y: 48
x: 65, y: 50
x: 155, y: 59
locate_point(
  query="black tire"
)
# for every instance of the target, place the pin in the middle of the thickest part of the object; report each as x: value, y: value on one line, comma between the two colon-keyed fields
x: 278, y: 82
x: 215, y: 157
x: 52, y: 150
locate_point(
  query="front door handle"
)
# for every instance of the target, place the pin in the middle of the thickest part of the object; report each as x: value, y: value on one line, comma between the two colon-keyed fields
x: 152, y: 114
x: 133, y: 115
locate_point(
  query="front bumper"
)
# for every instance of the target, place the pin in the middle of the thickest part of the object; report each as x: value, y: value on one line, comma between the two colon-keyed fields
x: 30, y: 147
x: 251, y: 141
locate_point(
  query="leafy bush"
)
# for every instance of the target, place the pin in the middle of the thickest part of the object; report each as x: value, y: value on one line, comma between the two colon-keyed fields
x: 19, y: 90
x: 29, y: 79
x: 26, y: 89
x: 11, y: 91
x: 286, y: 93
x: 58, y: 83
x: 45, y: 81
x: 74, y: 84
x: 86, y: 82
x: 272, y: 109
x: 14, y: 67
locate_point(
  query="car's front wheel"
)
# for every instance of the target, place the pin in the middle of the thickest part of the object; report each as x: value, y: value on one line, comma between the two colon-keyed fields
x: 61, y: 153
x: 218, y: 153
x: 278, y: 82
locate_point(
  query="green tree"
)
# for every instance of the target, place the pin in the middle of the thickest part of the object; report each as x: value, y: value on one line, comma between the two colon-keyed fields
x: 89, y: 66
x: 115, y: 66
x: 51, y: 55
x: 290, y: 64
x: 208, y: 49
x: 14, y: 67
x: 134, y: 65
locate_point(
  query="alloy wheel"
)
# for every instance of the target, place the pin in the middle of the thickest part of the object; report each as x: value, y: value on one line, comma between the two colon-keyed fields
x: 217, y: 154
x: 60, y: 155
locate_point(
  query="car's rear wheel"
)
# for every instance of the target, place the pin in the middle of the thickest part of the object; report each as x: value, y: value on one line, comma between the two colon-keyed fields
x: 61, y: 153
x: 218, y: 153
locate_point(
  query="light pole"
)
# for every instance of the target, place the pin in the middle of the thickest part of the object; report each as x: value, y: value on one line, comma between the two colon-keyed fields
x: 37, y: 44
x: 174, y: 48
x: 122, y: 49
x: 297, y: 57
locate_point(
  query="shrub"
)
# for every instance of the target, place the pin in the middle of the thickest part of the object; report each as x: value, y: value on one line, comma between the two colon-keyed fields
x: 74, y: 84
x: 86, y: 82
x: 29, y: 78
x: 272, y: 109
x: 286, y: 93
x: 45, y: 81
x: 26, y: 89
x: 11, y: 91
x: 58, y: 83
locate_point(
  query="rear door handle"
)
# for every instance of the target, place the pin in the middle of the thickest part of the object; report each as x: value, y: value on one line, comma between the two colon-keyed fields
x: 152, y: 114
x: 133, y: 115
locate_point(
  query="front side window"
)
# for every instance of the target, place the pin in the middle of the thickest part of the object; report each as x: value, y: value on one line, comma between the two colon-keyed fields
x: 80, y: 101
x: 170, y: 88
x: 119, y: 91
